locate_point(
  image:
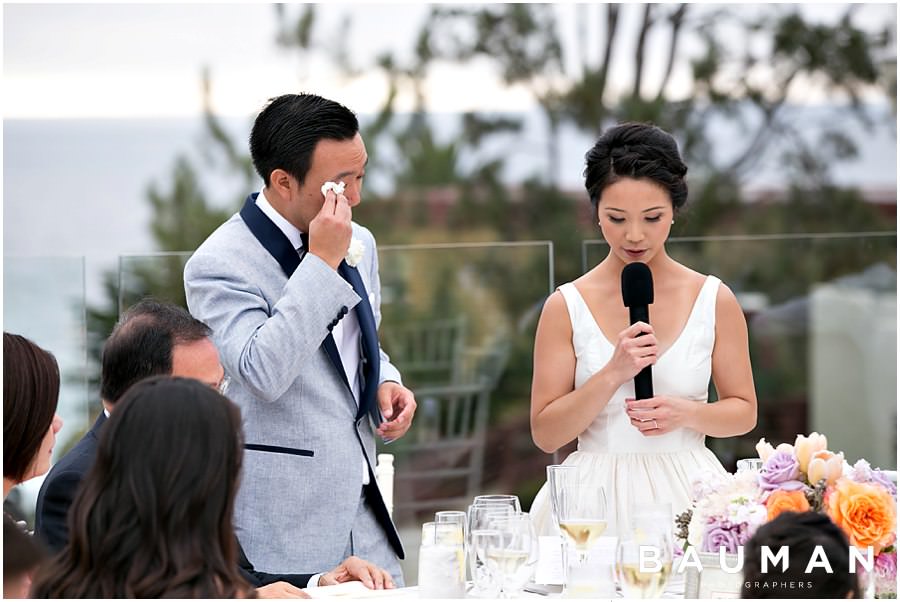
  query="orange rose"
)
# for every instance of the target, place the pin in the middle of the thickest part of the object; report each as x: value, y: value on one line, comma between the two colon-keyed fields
x: 786, y: 501
x: 865, y: 512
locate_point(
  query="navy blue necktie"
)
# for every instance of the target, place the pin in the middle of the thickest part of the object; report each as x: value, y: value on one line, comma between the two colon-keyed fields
x: 304, y: 238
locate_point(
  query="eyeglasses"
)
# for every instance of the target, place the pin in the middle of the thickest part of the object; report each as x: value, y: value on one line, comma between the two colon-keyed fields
x: 222, y: 387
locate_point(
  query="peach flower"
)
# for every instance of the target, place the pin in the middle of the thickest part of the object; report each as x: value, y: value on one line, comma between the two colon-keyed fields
x: 805, y: 447
x: 785, y: 501
x: 825, y: 465
x: 866, y: 512
x: 764, y: 449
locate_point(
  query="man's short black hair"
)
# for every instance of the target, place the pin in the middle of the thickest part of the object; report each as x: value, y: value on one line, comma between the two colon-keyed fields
x: 287, y: 130
x: 141, y: 344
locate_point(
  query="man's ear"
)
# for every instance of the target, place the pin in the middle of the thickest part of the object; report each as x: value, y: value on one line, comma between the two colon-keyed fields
x: 281, y: 182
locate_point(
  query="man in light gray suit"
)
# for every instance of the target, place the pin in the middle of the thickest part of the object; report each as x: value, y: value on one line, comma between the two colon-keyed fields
x: 296, y: 327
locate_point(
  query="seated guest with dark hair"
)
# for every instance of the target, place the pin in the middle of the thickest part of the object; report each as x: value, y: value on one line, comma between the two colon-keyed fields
x: 153, y: 518
x: 30, y: 423
x: 21, y: 556
x: 800, y: 533
x: 156, y: 338
x: 152, y: 338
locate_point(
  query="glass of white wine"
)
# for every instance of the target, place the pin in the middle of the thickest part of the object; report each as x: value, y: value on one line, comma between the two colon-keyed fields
x: 513, y: 560
x: 579, y: 506
x: 643, y: 564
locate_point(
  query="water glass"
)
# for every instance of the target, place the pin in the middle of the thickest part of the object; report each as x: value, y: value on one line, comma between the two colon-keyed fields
x: 656, y: 518
x: 439, y: 564
x: 459, y: 534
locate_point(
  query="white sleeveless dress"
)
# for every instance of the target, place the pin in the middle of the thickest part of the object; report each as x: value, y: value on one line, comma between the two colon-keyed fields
x: 631, y: 467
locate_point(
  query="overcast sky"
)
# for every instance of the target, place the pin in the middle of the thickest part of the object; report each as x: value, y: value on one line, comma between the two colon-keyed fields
x: 143, y: 60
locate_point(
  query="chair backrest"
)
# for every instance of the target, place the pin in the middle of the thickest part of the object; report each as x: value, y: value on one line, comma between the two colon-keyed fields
x: 427, y: 353
x: 440, y: 462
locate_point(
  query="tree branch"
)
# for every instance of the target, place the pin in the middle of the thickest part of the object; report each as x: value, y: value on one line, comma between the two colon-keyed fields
x: 639, y: 51
x: 677, y: 19
x: 612, y: 22
x: 769, y: 113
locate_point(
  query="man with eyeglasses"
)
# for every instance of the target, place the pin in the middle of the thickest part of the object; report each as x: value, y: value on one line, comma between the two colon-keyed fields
x: 157, y: 338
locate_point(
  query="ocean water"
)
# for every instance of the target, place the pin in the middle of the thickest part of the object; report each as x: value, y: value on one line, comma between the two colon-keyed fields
x: 78, y: 187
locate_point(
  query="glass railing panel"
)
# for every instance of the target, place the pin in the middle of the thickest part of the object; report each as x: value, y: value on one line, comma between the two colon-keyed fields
x: 821, y: 311
x: 44, y: 300
x: 458, y: 320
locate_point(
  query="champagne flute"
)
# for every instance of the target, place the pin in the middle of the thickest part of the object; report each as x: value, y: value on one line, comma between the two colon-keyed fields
x: 644, y: 564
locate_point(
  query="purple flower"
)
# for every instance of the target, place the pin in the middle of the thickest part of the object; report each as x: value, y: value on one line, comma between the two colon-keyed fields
x: 780, y: 471
x: 886, y: 573
x: 880, y: 477
x: 719, y: 536
x: 862, y: 472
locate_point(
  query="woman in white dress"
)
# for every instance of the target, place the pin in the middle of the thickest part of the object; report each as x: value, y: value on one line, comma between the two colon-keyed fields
x: 586, y: 355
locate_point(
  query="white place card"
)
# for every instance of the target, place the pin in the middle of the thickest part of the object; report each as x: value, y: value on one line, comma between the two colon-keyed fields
x: 549, y: 569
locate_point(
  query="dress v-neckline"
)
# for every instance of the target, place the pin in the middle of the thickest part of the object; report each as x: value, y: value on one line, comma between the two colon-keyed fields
x: 677, y: 339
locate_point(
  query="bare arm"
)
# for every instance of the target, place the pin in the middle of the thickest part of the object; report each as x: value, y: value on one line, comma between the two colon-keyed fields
x: 735, y: 412
x: 559, y: 411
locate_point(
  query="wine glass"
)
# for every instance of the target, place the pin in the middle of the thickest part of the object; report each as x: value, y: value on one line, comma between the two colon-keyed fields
x: 485, y: 583
x: 479, y: 522
x: 643, y: 564
x: 511, y: 500
x: 513, y: 560
x: 580, y: 507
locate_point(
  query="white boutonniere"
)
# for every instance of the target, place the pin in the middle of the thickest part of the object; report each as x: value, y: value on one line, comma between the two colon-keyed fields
x: 355, y: 252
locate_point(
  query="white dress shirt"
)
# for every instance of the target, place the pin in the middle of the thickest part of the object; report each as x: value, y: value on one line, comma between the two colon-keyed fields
x: 346, y: 333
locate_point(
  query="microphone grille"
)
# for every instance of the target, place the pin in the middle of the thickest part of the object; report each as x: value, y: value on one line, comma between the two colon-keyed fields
x: 637, y: 284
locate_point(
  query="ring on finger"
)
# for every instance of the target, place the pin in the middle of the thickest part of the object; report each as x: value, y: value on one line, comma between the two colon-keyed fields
x: 655, y: 425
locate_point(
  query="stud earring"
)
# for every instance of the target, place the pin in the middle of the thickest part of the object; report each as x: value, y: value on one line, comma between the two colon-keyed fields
x: 673, y: 222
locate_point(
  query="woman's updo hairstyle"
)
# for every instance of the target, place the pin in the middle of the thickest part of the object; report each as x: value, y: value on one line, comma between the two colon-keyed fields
x: 635, y: 150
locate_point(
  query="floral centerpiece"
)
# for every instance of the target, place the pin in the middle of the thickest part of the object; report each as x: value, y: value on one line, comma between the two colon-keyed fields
x: 802, y: 477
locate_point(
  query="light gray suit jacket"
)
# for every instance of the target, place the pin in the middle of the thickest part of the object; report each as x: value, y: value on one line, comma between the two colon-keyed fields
x: 298, y: 497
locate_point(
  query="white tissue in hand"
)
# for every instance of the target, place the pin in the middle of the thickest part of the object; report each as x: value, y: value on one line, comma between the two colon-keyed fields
x: 337, y: 187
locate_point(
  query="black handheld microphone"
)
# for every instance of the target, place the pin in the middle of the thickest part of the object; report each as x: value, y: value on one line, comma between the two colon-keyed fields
x: 637, y: 294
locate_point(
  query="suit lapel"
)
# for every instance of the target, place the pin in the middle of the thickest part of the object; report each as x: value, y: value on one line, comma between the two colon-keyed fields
x: 277, y: 244
x: 369, y: 336
x: 95, y: 430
